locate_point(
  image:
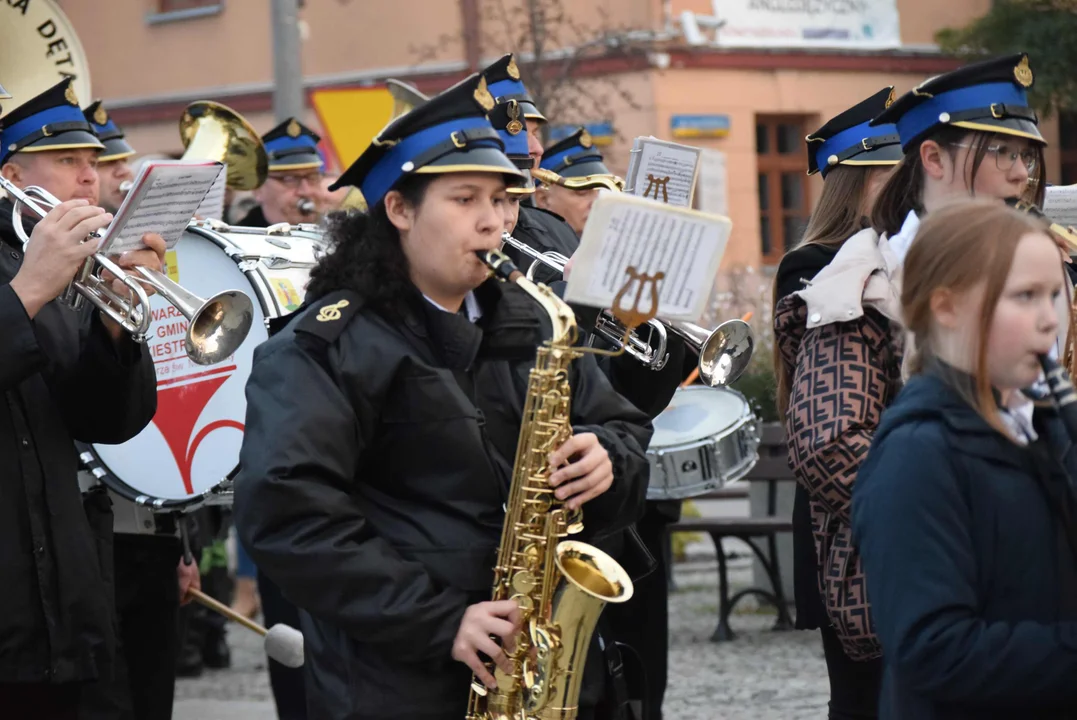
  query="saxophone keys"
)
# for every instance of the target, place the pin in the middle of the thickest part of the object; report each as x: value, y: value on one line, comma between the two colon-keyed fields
x: 524, y: 582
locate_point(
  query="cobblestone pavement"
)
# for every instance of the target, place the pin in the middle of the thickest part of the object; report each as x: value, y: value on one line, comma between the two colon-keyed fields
x: 760, y: 675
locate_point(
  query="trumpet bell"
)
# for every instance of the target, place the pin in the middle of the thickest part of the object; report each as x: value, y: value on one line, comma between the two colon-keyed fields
x: 219, y: 327
x: 725, y: 353
x: 212, y: 131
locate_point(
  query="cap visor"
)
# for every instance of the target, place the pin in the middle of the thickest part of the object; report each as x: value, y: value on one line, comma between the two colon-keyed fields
x: 1018, y: 127
x: 531, y: 112
x: 886, y: 155
x: 69, y: 140
x: 296, y: 161
x: 478, y: 159
x: 117, y: 149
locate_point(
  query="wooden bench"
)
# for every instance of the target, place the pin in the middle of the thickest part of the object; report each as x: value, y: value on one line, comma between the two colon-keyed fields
x: 771, y: 469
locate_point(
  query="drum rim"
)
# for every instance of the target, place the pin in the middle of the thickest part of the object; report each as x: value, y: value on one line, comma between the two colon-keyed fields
x: 746, y: 416
x: 112, y: 482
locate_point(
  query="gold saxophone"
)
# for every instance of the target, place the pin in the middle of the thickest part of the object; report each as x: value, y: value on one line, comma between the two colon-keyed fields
x: 560, y: 585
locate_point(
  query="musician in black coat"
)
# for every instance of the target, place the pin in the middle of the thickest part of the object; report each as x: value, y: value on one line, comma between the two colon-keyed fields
x: 373, y: 472
x: 65, y: 375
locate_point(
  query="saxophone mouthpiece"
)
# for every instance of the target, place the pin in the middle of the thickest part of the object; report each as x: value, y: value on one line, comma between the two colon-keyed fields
x: 500, y: 264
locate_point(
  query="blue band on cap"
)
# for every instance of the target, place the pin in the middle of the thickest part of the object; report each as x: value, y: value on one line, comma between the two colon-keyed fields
x: 11, y: 135
x: 387, y: 171
x: 514, y: 144
x: 507, y: 88
x: 577, y: 153
x: 110, y: 129
x: 303, y: 142
x: 846, y: 139
x: 926, y: 115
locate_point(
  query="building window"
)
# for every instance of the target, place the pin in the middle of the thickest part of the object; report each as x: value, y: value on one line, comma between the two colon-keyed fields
x: 784, y: 205
x: 1067, y: 143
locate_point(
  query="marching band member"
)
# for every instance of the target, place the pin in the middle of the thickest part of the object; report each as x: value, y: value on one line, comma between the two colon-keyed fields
x: 382, y: 422
x: 146, y: 566
x: 968, y: 132
x: 963, y: 510
x: 113, y: 165
x: 66, y: 375
x: 572, y: 157
x: 854, y: 161
x: 294, y: 183
x: 540, y: 229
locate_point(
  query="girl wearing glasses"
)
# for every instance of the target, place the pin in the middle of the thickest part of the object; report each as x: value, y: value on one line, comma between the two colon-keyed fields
x: 968, y: 132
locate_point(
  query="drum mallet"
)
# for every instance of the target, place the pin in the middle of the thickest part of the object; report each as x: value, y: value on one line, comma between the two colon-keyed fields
x: 283, y: 643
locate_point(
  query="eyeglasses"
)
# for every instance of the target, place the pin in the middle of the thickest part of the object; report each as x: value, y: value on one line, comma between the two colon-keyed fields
x: 1006, y: 155
x: 294, y: 181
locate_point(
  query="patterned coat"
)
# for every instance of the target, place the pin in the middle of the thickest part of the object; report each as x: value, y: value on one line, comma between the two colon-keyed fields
x: 841, y: 338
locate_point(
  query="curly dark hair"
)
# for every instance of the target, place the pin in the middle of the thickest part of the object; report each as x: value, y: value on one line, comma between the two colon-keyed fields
x: 365, y: 255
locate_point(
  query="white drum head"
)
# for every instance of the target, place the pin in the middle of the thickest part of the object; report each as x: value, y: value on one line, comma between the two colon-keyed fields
x: 193, y: 443
x: 697, y: 412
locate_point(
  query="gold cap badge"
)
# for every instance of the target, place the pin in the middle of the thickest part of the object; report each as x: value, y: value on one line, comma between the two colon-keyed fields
x: 483, y: 96
x: 100, y: 116
x: 585, y: 139
x: 513, y: 70
x: 294, y: 129
x: 890, y: 100
x: 70, y: 96
x: 514, y: 126
x: 1023, y: 73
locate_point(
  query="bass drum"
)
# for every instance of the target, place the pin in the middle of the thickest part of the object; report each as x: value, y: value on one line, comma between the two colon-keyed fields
x: 707, y: 438
x: 186, y: 456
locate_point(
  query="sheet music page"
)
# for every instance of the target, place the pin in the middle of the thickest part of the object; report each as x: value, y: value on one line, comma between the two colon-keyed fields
x: 1060, y: 204
x: 163, y: 200
x: 212, y: 207
x: 625, y: 231
x: 659, y: 160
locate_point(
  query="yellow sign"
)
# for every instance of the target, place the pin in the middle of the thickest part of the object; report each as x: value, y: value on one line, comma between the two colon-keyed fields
x: 287, y: 294
x: 350, y: 118
x: 172, y: 266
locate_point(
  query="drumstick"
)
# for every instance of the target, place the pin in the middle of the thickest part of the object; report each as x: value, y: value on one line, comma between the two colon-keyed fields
x: 228, y: 612
x: 283, y: 643
x: 695, y: 371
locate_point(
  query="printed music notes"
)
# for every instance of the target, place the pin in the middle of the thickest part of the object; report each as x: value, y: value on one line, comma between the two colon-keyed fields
x: 628, y: 241
x: 664, y: 171
x: 163, y: 199
x: 212, y: 206
x: 1060, y: 204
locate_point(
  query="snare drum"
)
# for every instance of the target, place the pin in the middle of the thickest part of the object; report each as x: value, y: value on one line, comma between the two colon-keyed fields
x: 186, y: 456
x: 705, y: 439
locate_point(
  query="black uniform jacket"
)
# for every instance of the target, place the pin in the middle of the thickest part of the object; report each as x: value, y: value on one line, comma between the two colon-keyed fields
x: 375, y: 464
x: 63, y: 378
x: 255, y: 218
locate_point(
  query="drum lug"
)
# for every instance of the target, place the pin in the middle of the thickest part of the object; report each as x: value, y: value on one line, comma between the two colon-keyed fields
x: 248, y: 265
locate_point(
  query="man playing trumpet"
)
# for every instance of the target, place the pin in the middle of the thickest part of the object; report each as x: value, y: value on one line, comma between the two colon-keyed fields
x: 65, y: 375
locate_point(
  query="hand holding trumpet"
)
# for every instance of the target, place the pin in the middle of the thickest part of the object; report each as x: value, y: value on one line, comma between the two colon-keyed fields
x: 57, y: 251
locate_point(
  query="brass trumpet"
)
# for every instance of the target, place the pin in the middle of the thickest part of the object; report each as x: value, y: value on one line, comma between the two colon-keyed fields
x: 724, y: 352
x: 216, y: 327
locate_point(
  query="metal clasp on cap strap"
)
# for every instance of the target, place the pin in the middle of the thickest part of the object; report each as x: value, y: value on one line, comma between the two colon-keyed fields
x: 457, y: 141
x: 866, y: 144
x: 45, y: 131
x: 998, y: 111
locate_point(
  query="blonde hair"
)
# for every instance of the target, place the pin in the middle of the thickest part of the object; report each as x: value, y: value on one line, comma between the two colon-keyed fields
x: 959, y: 246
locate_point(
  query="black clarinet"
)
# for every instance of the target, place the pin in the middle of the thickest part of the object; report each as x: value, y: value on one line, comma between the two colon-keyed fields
x: 1062, y: 394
